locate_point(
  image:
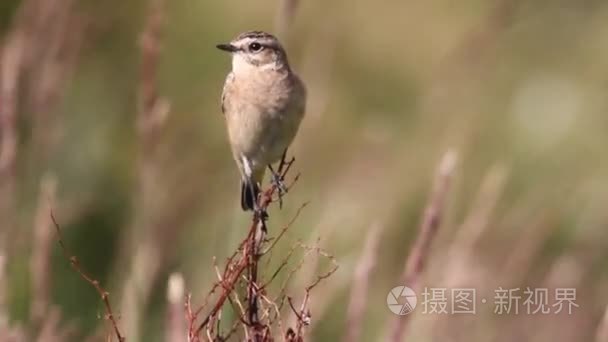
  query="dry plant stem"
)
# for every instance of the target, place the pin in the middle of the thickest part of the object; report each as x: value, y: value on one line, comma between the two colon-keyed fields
x: 10, y: 71
x: 175, y: 326
x: 51, y: 329
x: 149, y: 226
x: 256, y: 241
x: 230, y: 267
x: 277, y: 311
x: 460, y: 257
x: 286, y: 227
x: 31, y: 68
x: 12, y: 54
x: 228, y: 284
x: 292, y: 272
x: 477, y: 220
x: 325, y: 275
x: 303, y: 314
x: 428, y: 230
x: 55, y: 41
x: 234, y: 301
x: 245, y: 258
x: 153, y: 110
x: 304, y: 273
x: 254, y: 257
x: 280, y: 268
x: 40, y: 268
x: 358, y: 297
x: 105, y: 296
x: 285, y: 17
x: 256, y: 317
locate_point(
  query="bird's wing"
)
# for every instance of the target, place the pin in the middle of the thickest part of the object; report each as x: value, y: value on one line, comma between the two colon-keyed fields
x: 303, y: 93
x: 227, y: 86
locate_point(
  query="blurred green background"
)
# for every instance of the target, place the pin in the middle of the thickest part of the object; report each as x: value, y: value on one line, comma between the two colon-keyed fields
x: 517, y: 89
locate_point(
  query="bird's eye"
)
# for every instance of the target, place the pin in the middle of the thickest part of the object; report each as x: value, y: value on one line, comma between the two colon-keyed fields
x: 255, y: 47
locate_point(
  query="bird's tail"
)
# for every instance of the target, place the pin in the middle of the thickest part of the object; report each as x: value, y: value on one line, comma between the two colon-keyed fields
x: 249, y: 194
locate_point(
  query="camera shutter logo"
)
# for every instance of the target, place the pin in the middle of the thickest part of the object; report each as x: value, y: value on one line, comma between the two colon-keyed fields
x: 401, y: 300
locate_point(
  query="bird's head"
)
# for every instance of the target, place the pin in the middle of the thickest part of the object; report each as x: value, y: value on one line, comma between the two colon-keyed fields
x: 256, y: 50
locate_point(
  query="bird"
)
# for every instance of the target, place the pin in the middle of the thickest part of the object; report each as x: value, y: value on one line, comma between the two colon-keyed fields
x: 263, y: 101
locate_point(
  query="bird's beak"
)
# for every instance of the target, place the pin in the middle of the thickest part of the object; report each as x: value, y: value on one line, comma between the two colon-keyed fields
x: 227, y: 47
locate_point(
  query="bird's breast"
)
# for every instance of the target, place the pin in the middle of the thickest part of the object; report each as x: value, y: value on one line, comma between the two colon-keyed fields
x: 263, y: 119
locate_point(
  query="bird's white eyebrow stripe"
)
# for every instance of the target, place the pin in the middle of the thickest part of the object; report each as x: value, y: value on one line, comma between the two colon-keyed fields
x: 246, y: 40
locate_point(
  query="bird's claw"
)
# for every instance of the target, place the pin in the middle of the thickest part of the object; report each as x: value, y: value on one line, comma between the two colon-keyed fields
x: 277, y: 182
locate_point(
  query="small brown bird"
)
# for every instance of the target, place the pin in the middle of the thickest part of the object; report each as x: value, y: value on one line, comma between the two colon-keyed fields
x: 263, y: 101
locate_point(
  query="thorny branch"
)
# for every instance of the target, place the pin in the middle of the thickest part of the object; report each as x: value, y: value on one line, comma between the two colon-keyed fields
x: 250, y: 255
x: 255, y: 312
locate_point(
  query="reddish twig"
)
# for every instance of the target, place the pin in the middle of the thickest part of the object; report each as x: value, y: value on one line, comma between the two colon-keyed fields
x: 88, y: 278
x: 286, y: 227
x: 280, y: 267
x: 228, y: 283
x: 245, y: 258
x: 325, y: 275
x: 303, y: 314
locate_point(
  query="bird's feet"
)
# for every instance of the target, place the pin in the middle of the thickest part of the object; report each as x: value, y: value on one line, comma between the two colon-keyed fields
x: 277, y: 182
